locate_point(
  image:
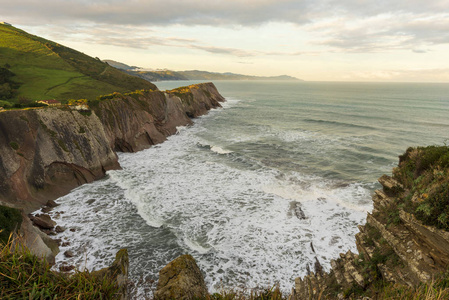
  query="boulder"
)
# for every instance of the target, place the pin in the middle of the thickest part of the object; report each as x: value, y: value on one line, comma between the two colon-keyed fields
x: 44, y: 222
x: 181, y: 279
x: 59, y: 229
x: 69, y: 253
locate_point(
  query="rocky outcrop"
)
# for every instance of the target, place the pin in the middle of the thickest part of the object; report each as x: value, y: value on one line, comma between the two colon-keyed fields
x: 394, y: 246
x: 140, y: 119
x: 118, y: 271
x: 181, y: 279
x: 48, y: 152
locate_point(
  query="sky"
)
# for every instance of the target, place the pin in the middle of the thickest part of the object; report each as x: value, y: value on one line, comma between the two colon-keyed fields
x: 314, y: 40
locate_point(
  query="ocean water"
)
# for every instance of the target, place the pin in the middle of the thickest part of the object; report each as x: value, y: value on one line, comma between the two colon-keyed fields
x: 258, y: 190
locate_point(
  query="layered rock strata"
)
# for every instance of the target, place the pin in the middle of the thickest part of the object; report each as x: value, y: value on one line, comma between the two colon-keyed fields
x: 47, y: 152
x: 394, y: 247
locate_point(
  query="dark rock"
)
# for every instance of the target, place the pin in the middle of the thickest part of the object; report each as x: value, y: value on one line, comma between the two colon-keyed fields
x: 59, y: 229
x: 58, y: 241
x: 51, y: 203
x: 46, y: 209
x: 72, y: 229
x: 44, y: 221
x: 181, y: 279
x: 90, y: 201
x: 318, y: 267
x: 65, y: 244
x: 69, y: 253
x: 66, y: 268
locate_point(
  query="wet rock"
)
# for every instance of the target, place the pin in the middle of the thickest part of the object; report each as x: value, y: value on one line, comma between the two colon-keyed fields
x: 181, y: 279
x: 65, y: 244
x: 296, y: 210
x: 44, y: 221
x: 90, y: 201
x: 69, y: 253
x: 51, y: 203
x: 72, y: 229
x: 66, y: 268
x: 59, y: 229
x: 46, y: 209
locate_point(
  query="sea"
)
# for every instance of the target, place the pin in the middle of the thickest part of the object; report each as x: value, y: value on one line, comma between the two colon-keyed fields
x: 258, y: 190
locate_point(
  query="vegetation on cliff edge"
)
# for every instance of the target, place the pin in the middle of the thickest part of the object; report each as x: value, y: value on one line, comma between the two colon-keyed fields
x: 25, y: 276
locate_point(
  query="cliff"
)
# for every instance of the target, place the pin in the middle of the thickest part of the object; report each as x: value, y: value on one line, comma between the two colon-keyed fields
x: 405, y: 241
x: 136, y: 120
x: 48, y: 152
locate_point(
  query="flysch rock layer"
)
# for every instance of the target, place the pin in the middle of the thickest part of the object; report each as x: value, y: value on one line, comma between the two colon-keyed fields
x: 47, y: 152
x: 405, y: 253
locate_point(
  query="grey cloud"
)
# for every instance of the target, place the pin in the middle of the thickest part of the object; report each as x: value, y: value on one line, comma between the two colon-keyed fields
x: 386, y: 32
x: 152, y: 12
x: 411, y: 24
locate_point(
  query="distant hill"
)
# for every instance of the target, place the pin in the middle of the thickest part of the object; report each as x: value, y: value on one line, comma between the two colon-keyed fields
x: 119, y: 65
x: 161, y: 75
x: 36, y: 68
x: 203, y: 75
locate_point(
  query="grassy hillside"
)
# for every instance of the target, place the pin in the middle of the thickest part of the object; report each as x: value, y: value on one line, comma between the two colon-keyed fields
x: 45, y: 70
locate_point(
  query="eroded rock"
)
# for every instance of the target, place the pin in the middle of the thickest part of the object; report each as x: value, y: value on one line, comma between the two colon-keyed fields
x: 181, y: 279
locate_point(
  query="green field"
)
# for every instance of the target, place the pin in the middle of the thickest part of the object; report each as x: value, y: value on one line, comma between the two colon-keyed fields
x: 46, y: 70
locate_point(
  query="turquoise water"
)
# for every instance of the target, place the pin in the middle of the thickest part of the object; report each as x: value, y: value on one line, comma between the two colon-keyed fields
x: 249, y: 187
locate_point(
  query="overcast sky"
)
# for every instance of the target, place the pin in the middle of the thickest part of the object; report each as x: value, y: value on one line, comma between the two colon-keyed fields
x: 337, y: 40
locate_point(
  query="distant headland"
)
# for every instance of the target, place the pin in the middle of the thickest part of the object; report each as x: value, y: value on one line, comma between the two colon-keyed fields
x: 164, y: 75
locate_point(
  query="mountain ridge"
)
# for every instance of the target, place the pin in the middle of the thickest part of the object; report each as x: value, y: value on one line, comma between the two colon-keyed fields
x: 163, y: 75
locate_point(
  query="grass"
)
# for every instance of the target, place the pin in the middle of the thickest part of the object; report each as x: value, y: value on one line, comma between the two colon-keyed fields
x: 47, y: 70
x: 25, y: 276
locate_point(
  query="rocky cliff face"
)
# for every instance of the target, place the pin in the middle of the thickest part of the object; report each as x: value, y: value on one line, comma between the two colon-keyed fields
x: 394, y: 246
x: 138, y: 120
x: 47, y: 152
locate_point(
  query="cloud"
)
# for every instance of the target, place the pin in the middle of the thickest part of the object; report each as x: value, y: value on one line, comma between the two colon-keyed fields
x: 157, y: 12
x: 337, y: 25
x: 385, y: 32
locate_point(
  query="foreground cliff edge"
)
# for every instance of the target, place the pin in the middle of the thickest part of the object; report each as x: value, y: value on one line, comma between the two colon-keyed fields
x: 47, y: 152
x: 404, y: 244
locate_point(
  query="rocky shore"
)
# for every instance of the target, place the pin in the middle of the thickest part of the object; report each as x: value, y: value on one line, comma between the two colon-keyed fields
x: 48, y: 152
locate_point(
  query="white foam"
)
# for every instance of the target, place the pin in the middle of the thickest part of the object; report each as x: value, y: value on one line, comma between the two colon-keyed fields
x: 176, y: 198
x: 219, y: 150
